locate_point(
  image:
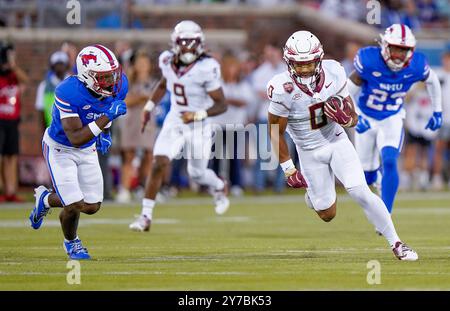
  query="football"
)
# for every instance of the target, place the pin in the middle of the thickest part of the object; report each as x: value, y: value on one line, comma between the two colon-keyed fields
x: 339, y: 109
x: 339, y: 101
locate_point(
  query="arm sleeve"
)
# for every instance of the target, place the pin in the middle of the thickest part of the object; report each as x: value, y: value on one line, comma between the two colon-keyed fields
x: 434, y: 91
x: 213, y: 78
x: 39, y: 105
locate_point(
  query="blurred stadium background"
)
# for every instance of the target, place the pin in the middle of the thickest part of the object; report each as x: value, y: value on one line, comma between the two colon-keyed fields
x: 246, y: 35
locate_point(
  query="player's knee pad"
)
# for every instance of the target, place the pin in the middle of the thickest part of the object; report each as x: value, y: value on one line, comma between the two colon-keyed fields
x: 195, y: 173
x: 371, y: 176
x: 389, y: 156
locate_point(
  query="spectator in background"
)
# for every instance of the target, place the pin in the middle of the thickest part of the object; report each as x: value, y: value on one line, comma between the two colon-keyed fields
x: 273, y: 64
x: 58, y: 71
x: 428, y: 12
x: 351, y: 48
x: 238, y: 94
x: 12, y: 83
x: 132, y: 139
x: 348, y: 9
x: 416, y: 158
x: 400, y: 12
x: 123, y: 50
x: 442, y: 147
x: 71, y: 50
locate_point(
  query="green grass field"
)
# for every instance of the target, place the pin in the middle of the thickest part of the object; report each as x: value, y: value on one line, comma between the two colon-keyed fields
x: 262, y: 243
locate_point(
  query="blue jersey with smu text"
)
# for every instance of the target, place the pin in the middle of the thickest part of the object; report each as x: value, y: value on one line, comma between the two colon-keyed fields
x: 73, y: 99
x: 383, y: 90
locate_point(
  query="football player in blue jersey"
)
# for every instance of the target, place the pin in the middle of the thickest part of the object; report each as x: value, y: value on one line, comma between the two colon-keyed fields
x: 84, y: 107
x: 382, y: 77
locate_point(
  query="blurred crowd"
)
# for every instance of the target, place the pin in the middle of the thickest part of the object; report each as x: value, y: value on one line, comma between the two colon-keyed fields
x: 417, y: 14
x: 426, y: 156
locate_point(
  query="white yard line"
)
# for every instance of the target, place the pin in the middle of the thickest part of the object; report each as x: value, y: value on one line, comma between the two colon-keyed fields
x: 265, y: 200
x: 84, y: 222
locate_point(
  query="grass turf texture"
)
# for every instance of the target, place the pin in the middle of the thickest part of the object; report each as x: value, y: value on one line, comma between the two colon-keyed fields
x: 262, y: 243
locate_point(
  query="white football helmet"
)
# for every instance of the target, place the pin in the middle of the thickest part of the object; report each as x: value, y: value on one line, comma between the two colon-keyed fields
x: 301, y: 51
x: 99, y: 70
x: 187, y: 41
x: 397, y: 35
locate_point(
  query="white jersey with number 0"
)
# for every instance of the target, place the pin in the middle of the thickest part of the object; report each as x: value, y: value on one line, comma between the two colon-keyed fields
x: 307, y: 124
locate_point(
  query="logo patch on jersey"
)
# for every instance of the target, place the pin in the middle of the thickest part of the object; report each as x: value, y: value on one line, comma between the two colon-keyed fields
x: 288, y: 87
x: 327, y: 86
x: 93, y: 115
x: 87, y: 57
x: 86, y: 107
x: 297, y: 96
x: 376, y: 74
x: 408, y: 76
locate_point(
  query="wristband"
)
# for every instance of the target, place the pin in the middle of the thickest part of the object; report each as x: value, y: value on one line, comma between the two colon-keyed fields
x: 288, y: 165
x: 200, y: 115
x: 149, y: 105
x: 94, y: 128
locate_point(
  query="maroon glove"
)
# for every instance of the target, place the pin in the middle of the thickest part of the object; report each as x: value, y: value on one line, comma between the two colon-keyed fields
x: 338, y: 110
x: 296, y: 180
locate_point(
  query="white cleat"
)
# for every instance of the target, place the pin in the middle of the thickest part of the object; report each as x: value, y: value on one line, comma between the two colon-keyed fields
x: 221, y: 201
x: 141, y: 224
x: 403, y: 252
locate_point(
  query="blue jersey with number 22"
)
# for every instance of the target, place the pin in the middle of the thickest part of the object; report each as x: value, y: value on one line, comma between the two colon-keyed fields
x: 383, y: 90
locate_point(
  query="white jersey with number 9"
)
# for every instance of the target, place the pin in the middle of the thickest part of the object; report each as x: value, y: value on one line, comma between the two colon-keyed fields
x: 189, y: 85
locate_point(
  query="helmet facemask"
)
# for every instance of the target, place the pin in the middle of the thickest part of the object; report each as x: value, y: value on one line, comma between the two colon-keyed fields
x: 188, y: 49
x: 107, y: 83
x: 397, y: 57
x: 305, y: 72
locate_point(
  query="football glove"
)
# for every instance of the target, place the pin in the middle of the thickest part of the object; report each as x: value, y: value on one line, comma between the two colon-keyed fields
x: 103, y: 142
x: 334, y: 109
x: 435, y: 121
x: 362, y: 125
x: 295, y: 179
x: 118, y: 108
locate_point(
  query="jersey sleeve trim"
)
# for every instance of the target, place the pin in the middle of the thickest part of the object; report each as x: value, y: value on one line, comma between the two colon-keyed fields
x: 357, y: 64
x: 63, y: 115
x: 62, y: 105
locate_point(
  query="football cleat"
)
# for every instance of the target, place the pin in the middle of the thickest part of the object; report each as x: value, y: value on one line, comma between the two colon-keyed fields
x: 141, y: 224
x: 39, y: 211
x: 221, y: 201
x: 403, y: 252
x: 75, y: 250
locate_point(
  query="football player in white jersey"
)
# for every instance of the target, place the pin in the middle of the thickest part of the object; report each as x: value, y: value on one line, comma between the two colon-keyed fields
x: 193, y: 79
x: 311, y: 102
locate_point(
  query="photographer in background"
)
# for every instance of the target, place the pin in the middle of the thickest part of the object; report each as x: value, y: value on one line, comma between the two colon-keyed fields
x: 12, y: 80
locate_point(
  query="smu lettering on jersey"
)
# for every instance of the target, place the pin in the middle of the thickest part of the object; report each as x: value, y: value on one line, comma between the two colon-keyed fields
x: 72, y: 99
x: 383, y: 90
x: 189, y: 85
x: 307, y: 124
